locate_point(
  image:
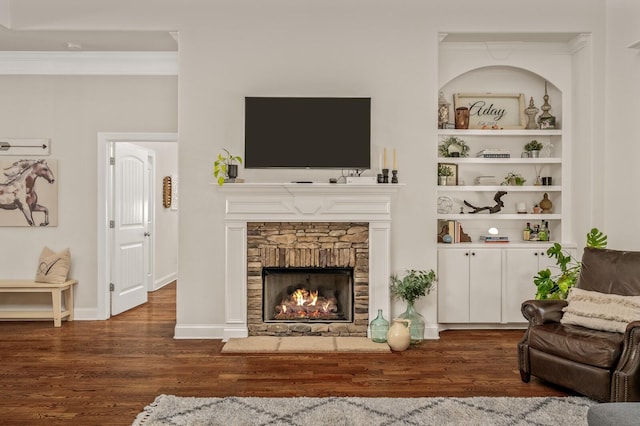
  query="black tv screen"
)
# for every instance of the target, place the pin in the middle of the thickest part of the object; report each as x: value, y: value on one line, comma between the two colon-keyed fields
x: 305, y: 132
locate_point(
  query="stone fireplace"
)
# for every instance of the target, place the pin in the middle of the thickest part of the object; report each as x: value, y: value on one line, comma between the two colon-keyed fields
x: 307, y: 278
x: 299, y: 228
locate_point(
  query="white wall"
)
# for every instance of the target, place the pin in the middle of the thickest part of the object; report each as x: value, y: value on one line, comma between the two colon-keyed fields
x: 71, y: 111
x: 378, y: 48
x: 622, y: 139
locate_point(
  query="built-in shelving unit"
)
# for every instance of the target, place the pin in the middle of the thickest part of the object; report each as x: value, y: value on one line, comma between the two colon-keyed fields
x: 482, y: 283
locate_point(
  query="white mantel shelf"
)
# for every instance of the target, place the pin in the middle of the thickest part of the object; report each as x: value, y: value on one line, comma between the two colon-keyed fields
x: 312, y: 188
x: 308, y: 201
x: 303, y: 202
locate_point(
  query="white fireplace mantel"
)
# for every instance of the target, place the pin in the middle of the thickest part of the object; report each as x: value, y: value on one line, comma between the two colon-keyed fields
x: 295, y: 202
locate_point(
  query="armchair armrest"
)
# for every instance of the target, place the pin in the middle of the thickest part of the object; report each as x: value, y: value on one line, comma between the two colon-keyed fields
x: 626, y: 377
x: 538, y: 312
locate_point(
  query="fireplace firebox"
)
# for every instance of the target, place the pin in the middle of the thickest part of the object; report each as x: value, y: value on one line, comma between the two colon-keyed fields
x: 307, y: 295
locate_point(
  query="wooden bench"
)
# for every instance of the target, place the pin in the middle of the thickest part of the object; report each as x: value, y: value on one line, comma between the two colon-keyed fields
x: 56, y: 290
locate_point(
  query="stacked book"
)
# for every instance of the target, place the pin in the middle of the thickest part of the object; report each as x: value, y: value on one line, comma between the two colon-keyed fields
x: 494, y: 153
x: 494, y: 238
x: 486, y: 180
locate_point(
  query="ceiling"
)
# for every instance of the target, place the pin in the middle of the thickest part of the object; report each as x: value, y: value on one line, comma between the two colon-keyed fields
x: 93, y: 41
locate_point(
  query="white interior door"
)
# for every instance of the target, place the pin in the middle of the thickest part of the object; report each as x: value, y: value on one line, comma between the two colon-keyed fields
x: 130, y: 229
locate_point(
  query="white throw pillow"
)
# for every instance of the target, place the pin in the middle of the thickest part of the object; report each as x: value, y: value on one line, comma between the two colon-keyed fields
x: 600, y: 311
x: 53, y: 268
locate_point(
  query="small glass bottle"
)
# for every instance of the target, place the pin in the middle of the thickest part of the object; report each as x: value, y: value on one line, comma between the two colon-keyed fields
x: 379, y: 328
x: 542, y: 233
x: 546, y: 228
x: 534, y: 233
x: 526, y: 232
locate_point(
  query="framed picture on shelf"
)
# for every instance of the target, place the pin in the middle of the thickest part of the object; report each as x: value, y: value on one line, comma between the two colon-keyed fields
x: 493, y: 111
x: 452, y: 179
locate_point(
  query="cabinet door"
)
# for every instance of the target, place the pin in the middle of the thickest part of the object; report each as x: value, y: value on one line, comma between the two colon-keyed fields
x: 485, y: 285
x: 453, y: 286
x: 521, y: 266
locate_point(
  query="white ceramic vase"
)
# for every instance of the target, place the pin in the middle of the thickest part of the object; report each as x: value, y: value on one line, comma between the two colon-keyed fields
x: 399, y: 336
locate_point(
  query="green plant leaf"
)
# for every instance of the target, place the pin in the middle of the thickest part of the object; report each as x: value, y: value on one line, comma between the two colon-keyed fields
x: 413, y: 285
x: 596, y: 239
x: 558, y: 286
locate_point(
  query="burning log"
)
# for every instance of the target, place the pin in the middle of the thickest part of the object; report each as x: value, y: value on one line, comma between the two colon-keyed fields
x: 306, y: 304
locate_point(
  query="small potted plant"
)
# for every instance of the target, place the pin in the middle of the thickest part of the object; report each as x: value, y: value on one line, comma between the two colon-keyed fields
x: 514, y: 179
x: 533, y: 148
x: 225, y: 169
x: 453, y: 146
x: 413, y: 285
x: 443, y: 173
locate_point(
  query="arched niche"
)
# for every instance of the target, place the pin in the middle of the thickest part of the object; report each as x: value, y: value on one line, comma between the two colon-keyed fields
x: 502, y: 79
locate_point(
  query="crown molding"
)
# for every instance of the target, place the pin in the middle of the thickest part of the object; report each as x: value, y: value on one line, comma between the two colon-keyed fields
x: 89, y: 63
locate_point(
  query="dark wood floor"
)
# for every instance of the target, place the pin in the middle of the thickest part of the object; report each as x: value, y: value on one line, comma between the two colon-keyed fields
x: 105, y: 372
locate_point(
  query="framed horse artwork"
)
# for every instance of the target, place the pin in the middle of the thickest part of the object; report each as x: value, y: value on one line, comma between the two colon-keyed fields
x: 28, y: 192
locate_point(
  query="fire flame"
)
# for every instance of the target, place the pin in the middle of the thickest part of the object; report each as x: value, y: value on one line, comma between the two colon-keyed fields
x: 303, y: 303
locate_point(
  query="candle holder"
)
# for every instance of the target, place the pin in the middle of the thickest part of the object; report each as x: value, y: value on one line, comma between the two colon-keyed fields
x: 380, y: 178
x: 394, y: 177
x: 385, y: 175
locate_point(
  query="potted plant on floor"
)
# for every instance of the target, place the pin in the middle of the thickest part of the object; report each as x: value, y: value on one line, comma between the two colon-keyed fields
x: 409, y: 288
x: 224, y: 168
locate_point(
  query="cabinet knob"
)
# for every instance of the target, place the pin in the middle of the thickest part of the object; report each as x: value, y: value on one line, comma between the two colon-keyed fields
x: 473, y: 253
x: 535, y: 254
x: 466, y: 254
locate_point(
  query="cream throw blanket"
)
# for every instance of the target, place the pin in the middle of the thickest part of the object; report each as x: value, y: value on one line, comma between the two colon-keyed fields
x: 600, y: 311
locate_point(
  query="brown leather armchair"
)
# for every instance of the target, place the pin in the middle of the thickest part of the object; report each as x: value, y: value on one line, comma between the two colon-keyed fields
x: 602, y: 365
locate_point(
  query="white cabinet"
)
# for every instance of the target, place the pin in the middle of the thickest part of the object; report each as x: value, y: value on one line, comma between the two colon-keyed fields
x: 469, y: 286
x: 521, y: 265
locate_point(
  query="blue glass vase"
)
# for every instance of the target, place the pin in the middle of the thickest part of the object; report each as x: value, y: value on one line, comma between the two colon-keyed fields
x: 379, y: 328
x: 417, y: 322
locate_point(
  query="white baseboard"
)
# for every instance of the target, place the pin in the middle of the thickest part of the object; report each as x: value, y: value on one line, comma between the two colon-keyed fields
x: 167, y: 279
x: 431, y: 333
x: 86, y: 314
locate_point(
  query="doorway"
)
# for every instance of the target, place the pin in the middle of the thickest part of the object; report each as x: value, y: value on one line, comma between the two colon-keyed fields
x: 107, y: 145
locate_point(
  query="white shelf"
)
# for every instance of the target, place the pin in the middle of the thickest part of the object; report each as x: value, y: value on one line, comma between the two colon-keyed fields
x: 500, y: 216
x: 492, y: 188
x: 509, y: 132
x: 515, y: 160
x: 510, y: 244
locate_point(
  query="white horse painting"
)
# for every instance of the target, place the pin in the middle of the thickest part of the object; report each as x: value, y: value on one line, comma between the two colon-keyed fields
x: 18, y: 193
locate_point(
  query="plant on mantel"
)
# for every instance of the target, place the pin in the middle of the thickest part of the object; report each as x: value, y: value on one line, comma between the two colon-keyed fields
x: 224, y: 167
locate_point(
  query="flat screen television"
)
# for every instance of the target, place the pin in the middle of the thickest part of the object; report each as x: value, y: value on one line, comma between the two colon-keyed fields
x: 307, y: 132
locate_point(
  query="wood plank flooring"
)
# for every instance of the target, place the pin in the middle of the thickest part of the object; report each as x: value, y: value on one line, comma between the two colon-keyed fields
x: 105, y: 372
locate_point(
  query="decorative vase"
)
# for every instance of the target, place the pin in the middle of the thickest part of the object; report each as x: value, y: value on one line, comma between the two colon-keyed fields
x: 232, y: 172
x: 534, y: 153
x: 379, y: 328
x: 417, y: 323
x: 442, y: 180
x: 399, y: 336
x: 546, y: 205
x: 462, y: 118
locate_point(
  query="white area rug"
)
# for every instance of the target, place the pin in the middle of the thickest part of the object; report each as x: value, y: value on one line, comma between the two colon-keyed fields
x: 485, y: 411
x: 302, y: 344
